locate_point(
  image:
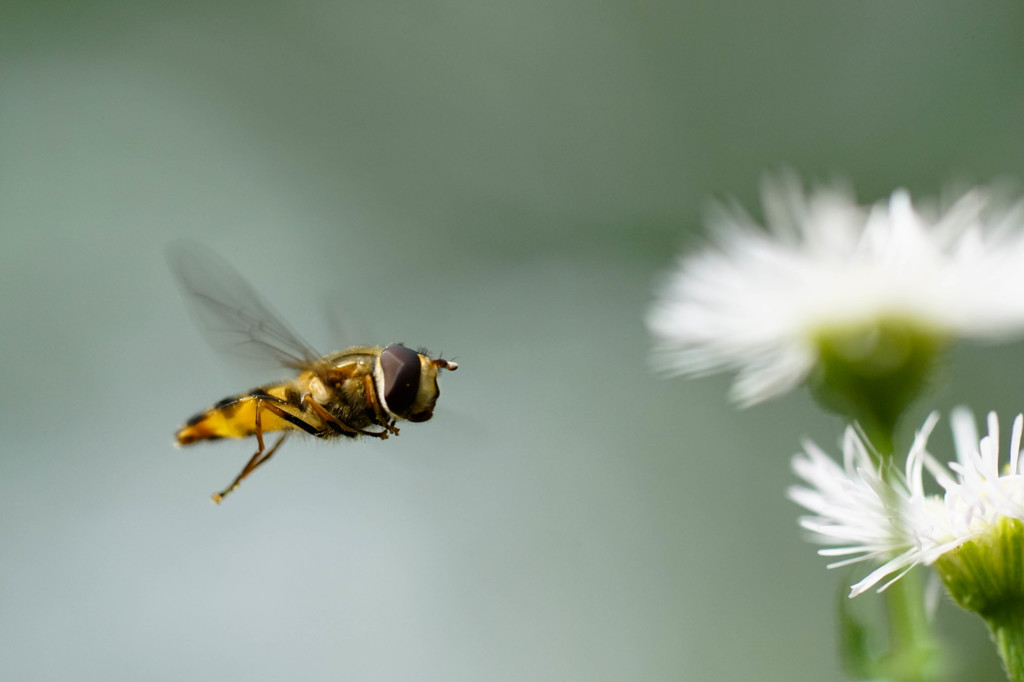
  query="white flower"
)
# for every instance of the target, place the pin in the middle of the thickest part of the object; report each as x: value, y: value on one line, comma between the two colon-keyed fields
x: 758, y: 301
x: 864, y: 518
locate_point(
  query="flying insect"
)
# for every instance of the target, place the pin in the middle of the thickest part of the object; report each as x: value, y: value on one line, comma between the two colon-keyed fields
x: 362, y: 391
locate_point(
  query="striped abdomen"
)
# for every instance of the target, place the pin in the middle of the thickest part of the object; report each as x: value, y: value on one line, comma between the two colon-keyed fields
x: 235, y: 417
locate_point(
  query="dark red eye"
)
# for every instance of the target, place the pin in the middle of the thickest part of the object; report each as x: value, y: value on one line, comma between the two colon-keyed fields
x: 401, y: 369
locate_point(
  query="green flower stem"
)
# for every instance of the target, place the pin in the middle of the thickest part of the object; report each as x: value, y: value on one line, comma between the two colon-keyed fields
x: 880, y: 436
x: 913, y: 654
x: 1007, y: 626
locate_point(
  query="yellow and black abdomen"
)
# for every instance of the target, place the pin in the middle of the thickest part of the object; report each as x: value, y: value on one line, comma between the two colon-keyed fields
x: 279, y: 406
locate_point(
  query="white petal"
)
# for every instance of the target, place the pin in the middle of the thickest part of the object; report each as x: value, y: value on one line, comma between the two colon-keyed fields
x: 754, y: 298
x: 895, y: 524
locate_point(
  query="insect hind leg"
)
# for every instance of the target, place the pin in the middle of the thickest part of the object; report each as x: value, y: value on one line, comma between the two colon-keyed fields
x: 260, y: 457
x: 262, y: 454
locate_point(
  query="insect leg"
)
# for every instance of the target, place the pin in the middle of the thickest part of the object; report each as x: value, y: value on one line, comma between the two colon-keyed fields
x: 257, y: 459
x: 371, y: 397
x: 342, y: 426
x: 262, y: 454
x: 269, y: 402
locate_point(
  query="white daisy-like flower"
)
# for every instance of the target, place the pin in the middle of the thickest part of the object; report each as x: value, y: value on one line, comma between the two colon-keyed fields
x: 863, y: 517
x: 760, y: 301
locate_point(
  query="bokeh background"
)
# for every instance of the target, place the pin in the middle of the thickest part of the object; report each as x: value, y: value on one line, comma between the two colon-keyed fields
x: 501, y: 181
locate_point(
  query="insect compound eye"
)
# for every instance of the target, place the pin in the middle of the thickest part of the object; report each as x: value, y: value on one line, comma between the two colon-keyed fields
x: 401, y: 369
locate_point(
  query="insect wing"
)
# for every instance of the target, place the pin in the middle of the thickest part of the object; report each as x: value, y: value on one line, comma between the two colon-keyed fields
x: 229, y: 312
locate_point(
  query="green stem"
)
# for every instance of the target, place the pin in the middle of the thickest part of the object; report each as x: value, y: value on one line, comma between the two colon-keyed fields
x: 1007, y: 626
x: 881, y: 438
x: 913, y: 651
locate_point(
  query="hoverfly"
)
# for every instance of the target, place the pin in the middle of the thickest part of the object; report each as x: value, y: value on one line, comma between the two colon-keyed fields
x: 359, y: 391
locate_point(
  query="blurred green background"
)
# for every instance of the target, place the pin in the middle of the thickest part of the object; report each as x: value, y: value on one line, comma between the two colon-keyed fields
x: 501, y: 181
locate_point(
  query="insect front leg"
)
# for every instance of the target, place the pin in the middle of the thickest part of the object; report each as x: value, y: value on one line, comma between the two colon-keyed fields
x: 329, y: 418
x: 371, y: 397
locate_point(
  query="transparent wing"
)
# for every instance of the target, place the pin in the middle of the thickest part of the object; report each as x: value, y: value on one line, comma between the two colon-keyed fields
x: 232, y: 316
